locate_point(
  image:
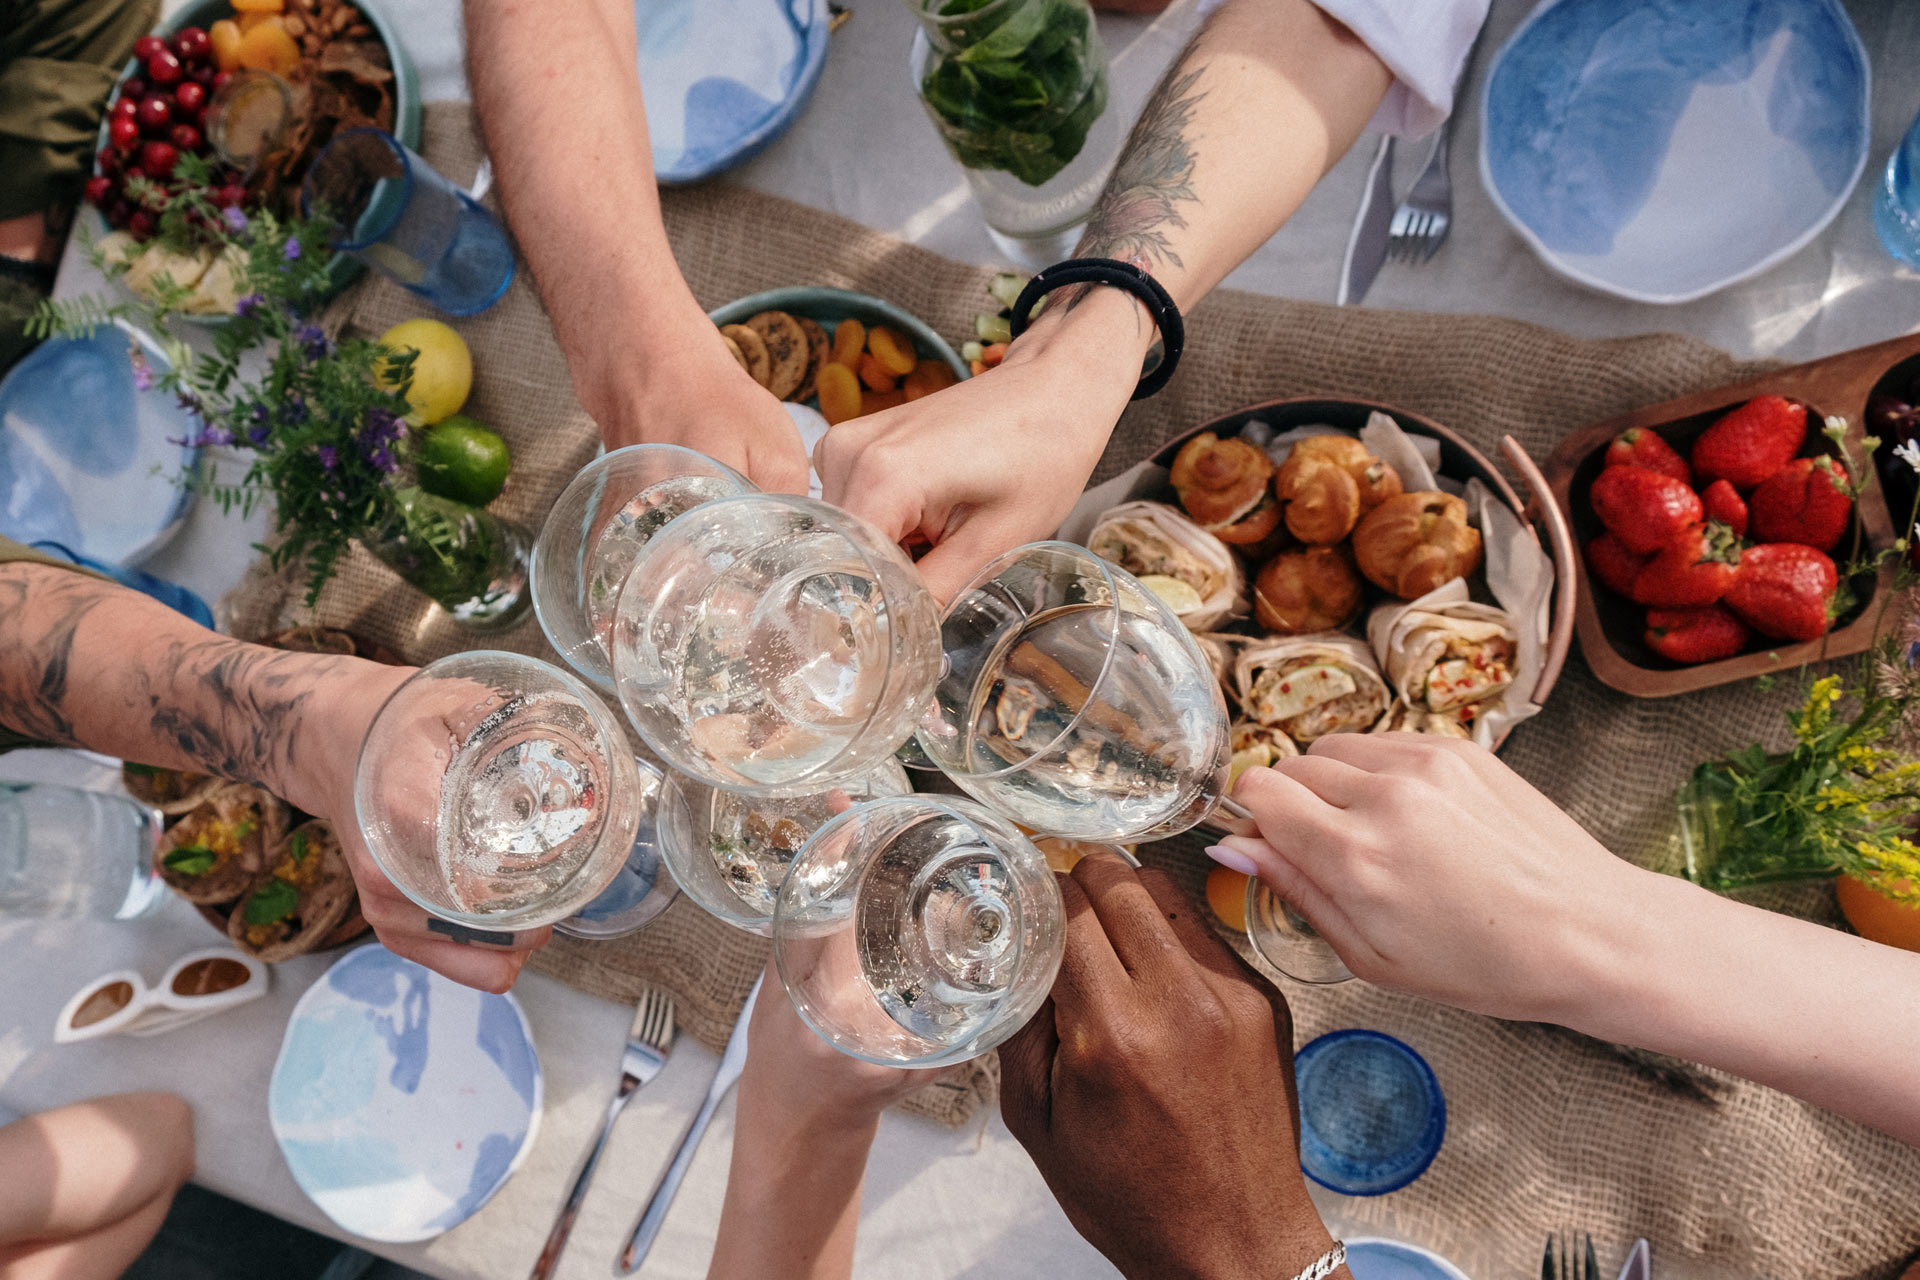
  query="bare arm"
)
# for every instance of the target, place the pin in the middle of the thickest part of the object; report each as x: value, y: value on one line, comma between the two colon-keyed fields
x: 1267, y: 97
x: 557, y: 88
x: 86, y: 663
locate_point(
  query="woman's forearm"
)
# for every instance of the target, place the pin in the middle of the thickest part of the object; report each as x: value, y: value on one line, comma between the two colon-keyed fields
x: 793, y: 1195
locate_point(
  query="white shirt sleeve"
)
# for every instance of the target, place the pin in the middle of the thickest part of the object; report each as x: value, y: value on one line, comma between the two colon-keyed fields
x: 1424, y: 43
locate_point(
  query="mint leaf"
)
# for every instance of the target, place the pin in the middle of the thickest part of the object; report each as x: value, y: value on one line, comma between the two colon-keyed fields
x: 189, y: 860
x: 272, y: 902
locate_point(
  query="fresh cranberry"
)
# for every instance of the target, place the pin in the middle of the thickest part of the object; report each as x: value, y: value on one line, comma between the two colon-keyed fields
x: 219, y: 81
x: 158, y: 158
x: 202, y: 74
x: 146, y: 46
x: 128, y: 107
x: 191, y: 43
x: 231, y: 196
x: 155, y: 113
x: 119, y: 214
x: 108, y: 161
x: 100, y: 191
x: 133, y: 173
x: 190, y: 96
x: 142, y: 224
x: 133, y: 87
x: 164, y: 68
x: 185, y: 137
x: 123, y: 134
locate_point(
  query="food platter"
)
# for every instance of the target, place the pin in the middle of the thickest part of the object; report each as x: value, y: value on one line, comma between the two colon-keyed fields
x: 1610, y: 627
x: 1454, y: 462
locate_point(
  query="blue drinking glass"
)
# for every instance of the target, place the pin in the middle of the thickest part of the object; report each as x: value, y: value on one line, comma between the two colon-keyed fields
x: 1896, y: 203
x: 405, y: 220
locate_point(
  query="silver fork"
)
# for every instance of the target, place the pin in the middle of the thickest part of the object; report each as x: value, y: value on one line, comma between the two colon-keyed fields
x: 1425, y: 216
x: 647, y: 1043
x: 1573, y: 1263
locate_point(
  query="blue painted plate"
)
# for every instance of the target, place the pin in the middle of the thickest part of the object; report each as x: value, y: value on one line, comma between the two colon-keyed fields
x: 723, y: 78
x: 1373, y: 1259
x: 402, y: 1100
x: 88, y: 460
x: 1661, y: 150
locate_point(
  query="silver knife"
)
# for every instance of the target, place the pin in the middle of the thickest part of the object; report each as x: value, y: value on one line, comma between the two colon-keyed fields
x: 655, y: 1214
x: 1639, y: 1264
x: 1367, y: 245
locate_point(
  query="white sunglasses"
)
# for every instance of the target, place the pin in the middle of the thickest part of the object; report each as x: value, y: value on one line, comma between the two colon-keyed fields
x: 197, y: 985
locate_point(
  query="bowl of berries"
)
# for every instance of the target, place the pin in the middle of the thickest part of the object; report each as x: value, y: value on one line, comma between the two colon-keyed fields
x: 288, y: 74
x: 1735, y: 532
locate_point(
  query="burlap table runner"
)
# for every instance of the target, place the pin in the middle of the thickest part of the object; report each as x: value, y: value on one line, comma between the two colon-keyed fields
x: 1547, y: 1130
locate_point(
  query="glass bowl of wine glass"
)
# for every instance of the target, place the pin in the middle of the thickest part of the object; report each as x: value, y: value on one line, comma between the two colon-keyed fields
x: 597, y: 526
x: 918, y: 931
x: 1075, y: 702
x: 774, y: 645
x: 497, y: 792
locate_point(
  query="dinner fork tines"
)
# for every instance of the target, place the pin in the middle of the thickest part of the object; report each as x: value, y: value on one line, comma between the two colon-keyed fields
x: 1574, y: 1262
x: 1424, y: 217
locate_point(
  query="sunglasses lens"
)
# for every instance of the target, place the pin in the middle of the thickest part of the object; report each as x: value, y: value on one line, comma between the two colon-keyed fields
x: 103, y: 1004
x: 210, y: 977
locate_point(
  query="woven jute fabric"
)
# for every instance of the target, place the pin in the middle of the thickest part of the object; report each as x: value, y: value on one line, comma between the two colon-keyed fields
x: 1546, y: 1130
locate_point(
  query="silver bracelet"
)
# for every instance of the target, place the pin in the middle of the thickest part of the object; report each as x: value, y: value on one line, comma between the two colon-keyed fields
x: 1324, y: 1265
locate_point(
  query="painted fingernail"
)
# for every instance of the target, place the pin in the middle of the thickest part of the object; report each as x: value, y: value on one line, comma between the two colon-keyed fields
x: 1232, y: 859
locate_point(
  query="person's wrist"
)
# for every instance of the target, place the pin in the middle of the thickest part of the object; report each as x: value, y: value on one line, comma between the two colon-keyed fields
x: 1614, y: 957
x: 666, y: 347
x: 1266, y: 1247
x: 1100, y: 332
x: 347, y: 695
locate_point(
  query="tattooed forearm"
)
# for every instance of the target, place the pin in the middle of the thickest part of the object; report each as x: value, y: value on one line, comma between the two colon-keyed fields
x: 1153, y: 178
x: 36, y: 662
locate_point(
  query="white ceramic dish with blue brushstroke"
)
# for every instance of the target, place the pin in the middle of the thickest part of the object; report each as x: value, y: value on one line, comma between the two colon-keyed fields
x: 1661, y: 150
x: 723, y: 78
x: 88, y: 461
x: 402, y: 1100
x: 1378, y: 1259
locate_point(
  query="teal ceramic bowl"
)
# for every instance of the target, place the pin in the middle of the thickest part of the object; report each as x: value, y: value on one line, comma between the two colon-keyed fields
x: 828, y: 307
x: 406, y: 109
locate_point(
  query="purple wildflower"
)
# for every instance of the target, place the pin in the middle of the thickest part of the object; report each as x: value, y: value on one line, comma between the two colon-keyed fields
x: 236, y: 220
x: 295, y: 410
x: 216, y: 436
x: 142, y: 376
x: 257, y: 436
x: 313, y: 341
x: 247, y: 305
x: 328, y: 458
x: 382, y: 431
x: 293, y: 249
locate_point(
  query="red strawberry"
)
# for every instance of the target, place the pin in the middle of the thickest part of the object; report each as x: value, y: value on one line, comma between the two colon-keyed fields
x: 1695, y: 635
x: 1751, y: 443
x: 1724, y: 503
x: 1806, y: 501
x: 1643, y: 508
x: 1784, y: 590
x: 1692, y: 571
x: 1609, y: 561
x: 1639, y: 447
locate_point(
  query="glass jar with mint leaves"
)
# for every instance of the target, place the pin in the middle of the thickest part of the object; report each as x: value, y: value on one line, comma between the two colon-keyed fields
x: 1018, y: 90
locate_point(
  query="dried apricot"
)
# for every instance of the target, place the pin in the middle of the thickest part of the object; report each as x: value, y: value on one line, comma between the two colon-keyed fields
x: 268, y: 47
x: 892, y: 349
x: 849, y: 340
x: 875, y: 373
x: 839, y: 393
x: 224, y: 36
x: 993, y: 353
x: 248, y: 21
x: 928, y: 377
x: 875, y: 401
x: 257, y: 6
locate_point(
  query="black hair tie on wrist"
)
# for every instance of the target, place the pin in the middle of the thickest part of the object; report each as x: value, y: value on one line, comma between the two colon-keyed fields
x: 1120, y: 275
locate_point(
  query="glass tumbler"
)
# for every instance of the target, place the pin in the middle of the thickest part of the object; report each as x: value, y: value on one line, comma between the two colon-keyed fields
x: 68, y: 854
x: 401, y: 217
x: 1896, y: 200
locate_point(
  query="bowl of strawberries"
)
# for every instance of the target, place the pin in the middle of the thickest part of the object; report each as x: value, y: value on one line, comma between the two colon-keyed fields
x: 1731, y: 533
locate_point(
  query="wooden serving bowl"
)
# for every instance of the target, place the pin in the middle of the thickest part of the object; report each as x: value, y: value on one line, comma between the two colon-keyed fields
x: 1611, y: 628
x: 1458, y: 460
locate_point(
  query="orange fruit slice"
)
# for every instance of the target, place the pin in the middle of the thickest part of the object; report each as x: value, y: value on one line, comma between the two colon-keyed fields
x: 1877, y: 917
x: 1227, y: 895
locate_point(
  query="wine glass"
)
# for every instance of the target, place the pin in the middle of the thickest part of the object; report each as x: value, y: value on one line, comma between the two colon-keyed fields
x: 497, y: 792
x: 597, y: 526
x: 729, y: 852
x: 774, y: 645
x: 641, y: 889
x: 1282, y: 937
x: 918, y: 931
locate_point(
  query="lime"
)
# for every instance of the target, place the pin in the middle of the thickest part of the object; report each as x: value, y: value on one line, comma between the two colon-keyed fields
x: 442, y: 369
x: 1176, y: 595
x: 461, y: 460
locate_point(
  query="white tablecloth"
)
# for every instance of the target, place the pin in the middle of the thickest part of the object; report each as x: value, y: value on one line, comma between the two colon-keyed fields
x: 939, y: 1204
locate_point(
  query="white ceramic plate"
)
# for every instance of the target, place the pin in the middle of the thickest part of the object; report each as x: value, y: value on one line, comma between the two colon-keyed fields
x: 87, y: 460
x: 1374, y: 1259
x: 402, y: 1100
x: 1661, y: 150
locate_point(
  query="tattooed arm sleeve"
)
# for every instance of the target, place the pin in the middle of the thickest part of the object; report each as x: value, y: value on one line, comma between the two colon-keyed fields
x: 87, y: 663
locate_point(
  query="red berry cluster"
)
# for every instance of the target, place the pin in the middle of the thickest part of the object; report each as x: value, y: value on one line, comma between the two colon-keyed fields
x: 159, y: 114
x: 1731, y: 540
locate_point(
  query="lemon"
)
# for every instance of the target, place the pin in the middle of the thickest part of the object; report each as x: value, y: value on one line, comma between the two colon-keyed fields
x: 1175, y: 594
x: 462, y: 460
x: 442, y: 371
x: 1257, y: 756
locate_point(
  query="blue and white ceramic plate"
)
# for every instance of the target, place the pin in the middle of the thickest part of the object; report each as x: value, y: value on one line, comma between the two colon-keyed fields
x: 1664, y: 149
x: 1372, y: 1259
x: 723, y: 78
x: 403, y: 1100
x: 87, y: 459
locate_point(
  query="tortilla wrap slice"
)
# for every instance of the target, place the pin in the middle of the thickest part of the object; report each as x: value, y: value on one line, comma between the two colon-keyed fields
x: 171, y: 791
x: 307, y: 892
x: 1457, y: 723
x: 215, y: 852
x: 1311, y: 686
x: 1153, y: 540
x: 1444, y: 655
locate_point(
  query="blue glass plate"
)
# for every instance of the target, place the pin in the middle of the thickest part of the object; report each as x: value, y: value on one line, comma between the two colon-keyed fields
x: 1664, y: 149
x: 1371, y: 1113
x: 723, y: 78
x: 87, y: 460
x: 1373, y: 1259
x: 401, y: 1099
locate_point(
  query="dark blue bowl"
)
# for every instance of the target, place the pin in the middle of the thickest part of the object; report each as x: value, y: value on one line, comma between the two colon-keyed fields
x: 1371, y: 1112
